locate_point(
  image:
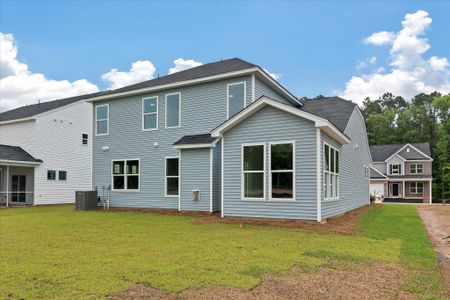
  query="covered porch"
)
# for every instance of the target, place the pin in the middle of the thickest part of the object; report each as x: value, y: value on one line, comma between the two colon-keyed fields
x: 16, y: 176
x: 408, y: 191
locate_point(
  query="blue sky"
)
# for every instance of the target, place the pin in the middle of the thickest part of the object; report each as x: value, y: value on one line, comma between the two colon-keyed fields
x: 315, y: 46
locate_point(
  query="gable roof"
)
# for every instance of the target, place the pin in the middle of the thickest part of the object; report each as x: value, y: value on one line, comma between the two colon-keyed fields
x: 382, y: 152
x: 38, y: 108
x: 16, y: 154
x: 208, y: 72
x: 337, y: 110
x: 264, y: 101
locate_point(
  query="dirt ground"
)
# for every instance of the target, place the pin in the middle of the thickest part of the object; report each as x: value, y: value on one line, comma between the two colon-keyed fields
x: 437, y: 222
x: 379, y: 281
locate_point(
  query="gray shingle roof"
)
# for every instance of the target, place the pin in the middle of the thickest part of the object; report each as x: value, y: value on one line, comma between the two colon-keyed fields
x: 195, y: 139
x: 34, y: 109
x: 382, y: 152
x: 409, y: 176
x: 16, y: 154
x: 210, y: 69
x: 376, y: 175
x: 336, y: 110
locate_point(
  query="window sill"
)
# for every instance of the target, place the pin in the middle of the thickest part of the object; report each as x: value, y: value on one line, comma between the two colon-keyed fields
x: 149, y: 129
x: 126, y: 191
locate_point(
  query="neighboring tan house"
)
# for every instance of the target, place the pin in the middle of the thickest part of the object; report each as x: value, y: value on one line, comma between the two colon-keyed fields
x: 46, y: 152
x: 227, y: 137
x: 401, y: 172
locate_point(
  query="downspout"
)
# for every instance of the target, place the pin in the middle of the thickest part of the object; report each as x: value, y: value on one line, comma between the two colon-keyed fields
x: 318, y: 177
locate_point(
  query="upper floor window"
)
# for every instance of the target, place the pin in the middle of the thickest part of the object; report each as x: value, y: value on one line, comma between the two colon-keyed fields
x: 102, y: 119
x: 253, y: 171
x: 395, y: 169
x: 150, y: 113
x: 282, y: 171
x: 84, y: 139
x: 125, y: 174
x: 173, y: 110
x: 236, y: 98
x: 331, y: 173
x: 416, y: 168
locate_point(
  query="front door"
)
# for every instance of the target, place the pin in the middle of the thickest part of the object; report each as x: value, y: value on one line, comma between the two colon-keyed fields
x: 18, y: 189
x: 396, y: 190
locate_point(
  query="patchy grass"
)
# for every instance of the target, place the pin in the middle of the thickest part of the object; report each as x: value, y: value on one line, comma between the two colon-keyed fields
x: 55, y: 252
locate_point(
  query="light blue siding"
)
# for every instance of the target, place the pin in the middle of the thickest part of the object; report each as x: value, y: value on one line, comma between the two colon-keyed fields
x: 262, y: 89
x: 270, y: 125
x: 203, y: 107
x: 217, y: 175
x: 195, y: 175
x: 353, y: 186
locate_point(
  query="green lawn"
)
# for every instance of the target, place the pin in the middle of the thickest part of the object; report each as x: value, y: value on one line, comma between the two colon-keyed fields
x: 55, y: 252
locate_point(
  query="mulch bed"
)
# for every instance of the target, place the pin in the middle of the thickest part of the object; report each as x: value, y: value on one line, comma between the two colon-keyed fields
x: 347, y: 223
x: 376, y: 281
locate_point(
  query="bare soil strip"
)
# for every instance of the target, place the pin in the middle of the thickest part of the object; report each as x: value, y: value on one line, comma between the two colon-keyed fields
x: 437, y: 222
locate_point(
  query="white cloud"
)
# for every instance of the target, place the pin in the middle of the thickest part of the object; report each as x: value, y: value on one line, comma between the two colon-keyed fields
x: 181, y: 65
x: 19, y: 86
x: 141, y: 70
x: 275, y: 76
x: 409, y: 72
x: 362, y: 64
x: 380, y: 38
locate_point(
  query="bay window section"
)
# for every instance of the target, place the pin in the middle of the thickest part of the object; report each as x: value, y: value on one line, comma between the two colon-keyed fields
x: 125, y: 175
x: 331, y: 173
x: 150, y: 113
x: 253, y: 171
x: 102, y: 119
x: 172, y: 176
x: 236, y: 98
x: 173, y: 110
x: 282, y: 171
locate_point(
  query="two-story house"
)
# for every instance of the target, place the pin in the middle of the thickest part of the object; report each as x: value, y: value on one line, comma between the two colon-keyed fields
x: 226, y: 136
x: 46, y: 152
x: 401, y: 172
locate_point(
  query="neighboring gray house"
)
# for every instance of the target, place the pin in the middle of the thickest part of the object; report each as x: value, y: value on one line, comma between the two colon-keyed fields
x: 402, y: 172
x: 227, y: 137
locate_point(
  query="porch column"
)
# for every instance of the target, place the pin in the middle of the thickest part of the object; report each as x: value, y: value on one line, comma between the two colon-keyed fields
x: 7, y: 185
x: 431, y: 192
x: 403, y: 190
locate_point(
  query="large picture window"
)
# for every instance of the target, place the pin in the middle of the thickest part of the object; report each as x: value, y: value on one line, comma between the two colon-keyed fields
x: 236, y: 98
x: 125, y: 175
x: 331, y: 173
x: 253, y: 171
x: 102, y: 119
x: 282, y: 171
x: 416, y: 168
x: 173, y: 110
x: 172, y: 176
x: 150, y: 113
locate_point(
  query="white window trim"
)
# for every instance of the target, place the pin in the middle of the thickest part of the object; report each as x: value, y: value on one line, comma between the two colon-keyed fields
x: 56, y: 173
x: 263, y: 171
x: 153, y: 113
x: 325, y: 172
x: 228, y: 95
x: 125, y: 175
x: 59, y: 178
x: 269, y: 167
x: 107, y: 120
x: 179, y: 110
x: 166, y: 176
x: 414, y: 189
x: 415, y: 165
x: 399, y: 171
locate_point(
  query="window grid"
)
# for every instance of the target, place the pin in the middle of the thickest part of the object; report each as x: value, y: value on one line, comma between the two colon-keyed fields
x: 416, y: 168
x: 416, y: 187
x: 125, y: 173
x: 331, y: 173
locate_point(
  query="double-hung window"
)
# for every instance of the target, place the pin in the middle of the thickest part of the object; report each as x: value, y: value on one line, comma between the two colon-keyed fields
x: 236, y: 98
x: 282, y: 171
x: 172, y: 176
x: 331, y: 173
x: 125, y: 175
x: 84, y: 138
x: 102, y: 119
x: 395, y: 169
x: 253, y: 171
x: 173, y: 110
x: 150, y: 113
x: 416, y: 187
x: 416, y: 168
x: 51, y: 175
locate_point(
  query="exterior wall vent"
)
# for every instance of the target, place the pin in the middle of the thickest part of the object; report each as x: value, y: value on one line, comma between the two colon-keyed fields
x: 195, y: 195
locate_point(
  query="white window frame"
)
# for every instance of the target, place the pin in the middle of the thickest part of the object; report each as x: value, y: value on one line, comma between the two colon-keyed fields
x: 56, y: 174
x: 228, y: 95
x: 366, y: 172
x: 125, y: 189
x: 107, y: 120
x: 415, y: 168
x: 59, y: 177
x: 391, y: 169
x: 334, y: 177
x: 270, y: 171
x: 243, y: 172
x: 85, y: 139
x: 179, y: 110
x: 152, y: 113
x: 414, y: 188
x: 171, y: 176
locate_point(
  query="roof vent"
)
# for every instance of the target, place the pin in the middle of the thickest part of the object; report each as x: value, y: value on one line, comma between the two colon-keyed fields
x: 407, y: 149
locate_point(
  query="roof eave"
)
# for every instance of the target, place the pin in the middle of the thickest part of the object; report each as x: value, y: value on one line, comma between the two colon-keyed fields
x: 19, y: 162
x: 17, y: 120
